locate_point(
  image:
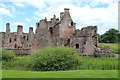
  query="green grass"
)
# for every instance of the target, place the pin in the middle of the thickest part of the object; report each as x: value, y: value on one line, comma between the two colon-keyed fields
x: 61, y: 74
x: 113, y: 46
x: 100, y: 63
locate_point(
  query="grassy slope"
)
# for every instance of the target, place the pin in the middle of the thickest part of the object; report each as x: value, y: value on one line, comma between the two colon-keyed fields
x: 61, y: 74
x: 113, y: 46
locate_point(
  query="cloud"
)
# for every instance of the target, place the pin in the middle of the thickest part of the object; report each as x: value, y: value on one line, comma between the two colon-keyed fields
x: 104, y: 1
x: 6, y: 12
x: 19, y: 4
x: 36, y: 18
x: 27, y: 19
x: 2, y: 5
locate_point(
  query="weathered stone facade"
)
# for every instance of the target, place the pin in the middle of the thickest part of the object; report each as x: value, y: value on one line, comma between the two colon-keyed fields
x: 56, y: 32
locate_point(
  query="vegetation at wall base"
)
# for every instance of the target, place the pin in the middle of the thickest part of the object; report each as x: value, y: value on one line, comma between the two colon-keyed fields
x: 85, y: 63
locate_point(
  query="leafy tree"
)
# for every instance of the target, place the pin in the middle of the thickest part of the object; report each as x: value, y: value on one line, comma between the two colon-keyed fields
x: 110, y: 36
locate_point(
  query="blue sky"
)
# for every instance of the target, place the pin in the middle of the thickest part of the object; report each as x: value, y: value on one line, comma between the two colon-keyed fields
x: 101, y: 13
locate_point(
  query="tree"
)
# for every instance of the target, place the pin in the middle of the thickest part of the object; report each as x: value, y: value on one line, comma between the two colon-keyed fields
x: 110, y: 36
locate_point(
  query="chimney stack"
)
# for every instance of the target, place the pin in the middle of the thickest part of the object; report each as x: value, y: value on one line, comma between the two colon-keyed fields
x: 61, y: 15
x: 8, y: 28
x: 30, y: 30
x: 20, y: 29
x: 66, y: 10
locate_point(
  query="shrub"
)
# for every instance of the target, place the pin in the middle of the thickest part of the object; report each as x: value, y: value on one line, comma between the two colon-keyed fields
x: 7, y: 55
x: 54, y: 59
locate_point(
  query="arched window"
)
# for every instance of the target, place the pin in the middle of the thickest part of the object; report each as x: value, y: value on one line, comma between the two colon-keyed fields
x: 51, y: 30
x: 77, y: 46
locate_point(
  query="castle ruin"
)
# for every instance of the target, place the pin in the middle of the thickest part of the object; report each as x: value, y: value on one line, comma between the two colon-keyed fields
x: 56, y: 32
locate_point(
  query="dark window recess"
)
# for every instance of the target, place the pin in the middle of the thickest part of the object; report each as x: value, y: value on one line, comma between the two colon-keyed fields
x: 95, y: 31
x: 38, y: 24
x: 77, y: 46
x: 15, y: 45
x: 68, y: 42
x: 84, y: 43
x: 19, y: 46
x: 24, y: 37
x: 51, y: 30
x: 15, y: 38
x: 29, y: 45
x: 71, y: 23
x: 10, y: 40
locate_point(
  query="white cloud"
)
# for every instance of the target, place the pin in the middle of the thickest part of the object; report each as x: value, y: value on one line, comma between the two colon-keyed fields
x: 27, y: 19
x: 0, y: 19
x: 2, y: 5
x: 12, y: 9
x: 36, y: 3
x: 104, y: 1
x: 5, y: 12
x: 36, y: 18
x: 19, y: 4
x: 104, y: 18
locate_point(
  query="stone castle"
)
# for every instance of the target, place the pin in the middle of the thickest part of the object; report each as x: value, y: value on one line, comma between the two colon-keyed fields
x: 56, y: 32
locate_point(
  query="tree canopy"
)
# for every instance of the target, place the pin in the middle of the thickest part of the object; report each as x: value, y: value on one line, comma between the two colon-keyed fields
x: 110, y: 36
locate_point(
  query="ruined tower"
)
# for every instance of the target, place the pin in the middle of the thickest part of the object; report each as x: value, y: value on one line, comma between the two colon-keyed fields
x: 7, y: 35
x: 7, y: 28
x: 20, y: 29
x: 67, y: 26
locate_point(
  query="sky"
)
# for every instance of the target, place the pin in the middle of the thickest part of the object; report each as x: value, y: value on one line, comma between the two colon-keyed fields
x: 101, y: 13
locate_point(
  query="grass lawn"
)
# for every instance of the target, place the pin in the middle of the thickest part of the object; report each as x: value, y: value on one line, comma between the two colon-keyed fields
x: 113, y: 46
x: 61, y: 74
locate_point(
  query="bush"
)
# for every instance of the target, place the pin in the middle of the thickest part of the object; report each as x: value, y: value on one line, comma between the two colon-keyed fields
x: 7, y: 55
x: 54, y: 59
